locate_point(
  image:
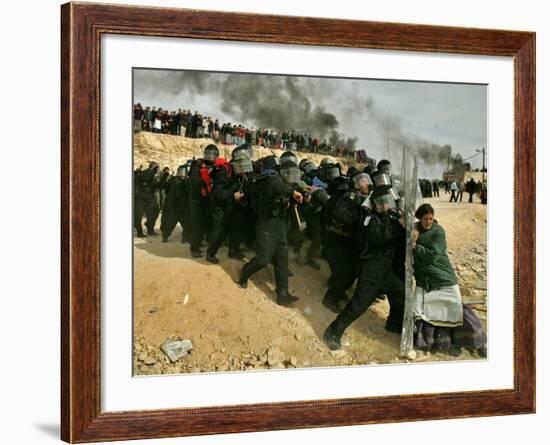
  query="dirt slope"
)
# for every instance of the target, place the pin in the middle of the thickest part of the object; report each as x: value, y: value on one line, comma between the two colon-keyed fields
x: 234, y: 329
x: 173, y: 151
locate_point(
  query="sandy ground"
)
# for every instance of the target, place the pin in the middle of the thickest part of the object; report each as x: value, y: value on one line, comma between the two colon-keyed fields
x: 176, y: 296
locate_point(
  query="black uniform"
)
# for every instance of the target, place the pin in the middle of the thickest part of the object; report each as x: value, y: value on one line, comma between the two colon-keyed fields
x: 270, y: 200
x: 376, y: 276
x: 341, y: 246
x: 175, y: 208
x: 242, y: 219
x: 146, y: 184
x: 199, y: 209
x: 223, y: 188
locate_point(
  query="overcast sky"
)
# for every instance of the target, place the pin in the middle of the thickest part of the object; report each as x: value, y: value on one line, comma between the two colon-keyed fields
x: 377, y: 113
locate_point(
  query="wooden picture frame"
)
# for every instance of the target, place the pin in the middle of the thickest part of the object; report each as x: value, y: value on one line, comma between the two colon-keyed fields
x: 82, y: 26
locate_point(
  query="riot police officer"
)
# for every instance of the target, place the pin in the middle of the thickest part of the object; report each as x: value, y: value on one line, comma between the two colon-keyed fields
x: 146, y: 185
x: 200, y: 187
x: 342, y: 254
x: 271, y: 198
x: 241, y: 218
x: 175, y: 204
x: 222, y: 196
x: 378, y: 234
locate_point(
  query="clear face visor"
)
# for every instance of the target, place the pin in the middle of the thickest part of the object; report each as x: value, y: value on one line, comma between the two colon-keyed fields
x: 332, y: 172
x: 362, y: 181
x: 242, y: 165
x: 211, y: 155
x: 384, y: 203
x: 308, y: 168
x: 181, y: 172
x: 291, y: 175
x: 386, y: 168
x: 383, y: 179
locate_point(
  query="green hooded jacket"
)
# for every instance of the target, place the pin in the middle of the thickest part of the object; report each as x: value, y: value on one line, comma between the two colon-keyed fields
x: 432, y: 267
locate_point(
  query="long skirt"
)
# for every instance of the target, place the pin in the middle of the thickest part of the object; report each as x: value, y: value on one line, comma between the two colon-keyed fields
x: 438, y: 338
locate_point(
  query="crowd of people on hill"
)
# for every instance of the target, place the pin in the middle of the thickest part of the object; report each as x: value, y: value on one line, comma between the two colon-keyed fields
x: 353, y: 220
x: 196, y: 125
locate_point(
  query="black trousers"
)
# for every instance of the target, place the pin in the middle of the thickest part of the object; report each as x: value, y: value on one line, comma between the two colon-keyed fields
x: 241, y: 227
x: 172, y: 214
x: 374, y: 279
x: 454, y: 196
x: 220, y: 226
x: 198, y: 222
x: 315, y: 233
x: 342, y: 260
x: 271, y: 246
x: 145, y: 204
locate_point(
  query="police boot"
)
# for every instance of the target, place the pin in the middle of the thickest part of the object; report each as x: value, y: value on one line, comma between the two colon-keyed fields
x: 242, y: 281
x: 151, y: 232
x: 196, y: 253
x: 212, y: 258
x: 331, y: 339
x: 284, y: 298
x: 164, y: 239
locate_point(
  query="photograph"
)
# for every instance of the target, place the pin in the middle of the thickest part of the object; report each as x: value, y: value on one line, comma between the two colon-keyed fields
x: 298, y: 221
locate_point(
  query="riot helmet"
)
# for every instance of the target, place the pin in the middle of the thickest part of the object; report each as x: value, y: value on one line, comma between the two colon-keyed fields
x: 211, y: 153
x: 326, y: 161
x: 382, y: 199
x: 308, y: 167
x: 331, y: 171
x: 290, y: 172
x: 243, y: 147
x: 289, y: 156
x: 381, y: 179
x: 362, y: 182
x: 241, y: 162
x: 181, y: 172
x: 270, y: 163
x: 338, y: 185
x: 384, y: 166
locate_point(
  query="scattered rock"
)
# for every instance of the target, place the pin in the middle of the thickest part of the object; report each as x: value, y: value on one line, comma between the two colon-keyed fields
x: 297, y: 336
x: 149, y: 360
x: 338, y: 354
x: 176, y: 349
x: 142, y: 357
x: 153, y: 310
x: 274, y: 356
x: 307, y: 310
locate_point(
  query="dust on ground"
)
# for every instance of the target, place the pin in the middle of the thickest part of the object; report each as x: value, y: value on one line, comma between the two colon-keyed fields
x: 177, y: 296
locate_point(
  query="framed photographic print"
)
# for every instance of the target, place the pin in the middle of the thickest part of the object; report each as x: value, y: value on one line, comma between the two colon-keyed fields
x: 275, y: 222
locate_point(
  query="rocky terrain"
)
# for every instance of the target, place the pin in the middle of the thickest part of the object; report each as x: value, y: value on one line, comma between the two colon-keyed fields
x: 231, y: 329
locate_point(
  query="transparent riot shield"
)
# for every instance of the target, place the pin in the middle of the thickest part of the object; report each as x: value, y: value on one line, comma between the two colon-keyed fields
x: 410, y: 199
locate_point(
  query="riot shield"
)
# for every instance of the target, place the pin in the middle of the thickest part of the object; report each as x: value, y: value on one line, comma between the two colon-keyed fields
x: 411, y: 198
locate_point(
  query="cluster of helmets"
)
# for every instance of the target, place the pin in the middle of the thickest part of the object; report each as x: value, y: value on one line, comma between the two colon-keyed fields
x: 328, y: 171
